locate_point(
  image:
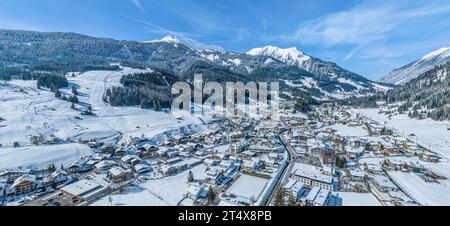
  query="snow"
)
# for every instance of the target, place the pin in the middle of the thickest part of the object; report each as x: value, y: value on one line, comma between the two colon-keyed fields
x: 289, y: 55
x: 42, y: 156
x: 248, y: 187
x: 415, y: 69
x: 442, y: 52
x: 132, y: 196
x: 358, y: 199
x: 167, y: 191
x: 347, y: 131
x: 428, y: 133
x: 190, y: 43
x: 431, y: 194
x: 29, y: 111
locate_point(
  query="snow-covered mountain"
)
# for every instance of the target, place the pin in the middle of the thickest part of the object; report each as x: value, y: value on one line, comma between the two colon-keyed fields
x: 321, y: 69
x: 304, y: 75
x: 413, y: 70
x: 190, y: 43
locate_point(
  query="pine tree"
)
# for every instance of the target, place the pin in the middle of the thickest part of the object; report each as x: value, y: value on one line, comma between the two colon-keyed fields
x: 211, y: 196
x: 74, y: 91
x: 57, y: 93
x: 279, y: 197
x: 190, y: 176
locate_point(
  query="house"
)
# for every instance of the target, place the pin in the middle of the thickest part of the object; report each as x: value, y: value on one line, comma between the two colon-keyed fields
x: 250, y: 165
x: 73, y: 168
x: 429, y: 157
x: 294, y: 188
x: 85, y: 190
x: 312, y: 176
x: 195, y: 193
x: 357, y: 175
x: 104, y: 166
x: 384, y: 184
x: 118, y: 174
x: 142, y: 168
x: 24, y: 184
x: 59, y: 176
x: 3, y: 187
x: 12, y: 175
x: 321, y: 198
x: 129, y: 160
x: 120, y: 152
x: 212, y: 176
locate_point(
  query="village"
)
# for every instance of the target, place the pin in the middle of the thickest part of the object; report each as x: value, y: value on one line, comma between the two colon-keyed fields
x: 331, y: 157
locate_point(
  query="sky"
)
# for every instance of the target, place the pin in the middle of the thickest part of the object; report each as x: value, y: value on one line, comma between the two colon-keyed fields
x: 368, y: 37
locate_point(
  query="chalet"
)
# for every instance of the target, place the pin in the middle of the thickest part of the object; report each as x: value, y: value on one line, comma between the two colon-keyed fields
x: 120, y: 152
x: 251, y: 165
x: 59, y: 176
x: 128, y: 161
x: 384, y: 184
x: 118, y: 174
x: 212, y: 176
x: 357, y: 175
x: 104, y: 166
x: 429, y: 157
x: 73, y: 168
x: 108, y: 149
x: 210, y: 162
x: 142, y: 169
x: 12, y: 175
x: 24, y: 184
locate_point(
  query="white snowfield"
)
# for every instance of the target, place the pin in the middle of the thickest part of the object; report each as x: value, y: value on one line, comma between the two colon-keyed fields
x: 348, y: 131
x: 248, y: 187
x: 358, y: 199
x: 42, y: 156
x: 29, y: 111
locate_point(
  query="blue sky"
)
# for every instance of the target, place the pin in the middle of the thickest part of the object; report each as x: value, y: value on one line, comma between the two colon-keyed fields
x: 367, y: 37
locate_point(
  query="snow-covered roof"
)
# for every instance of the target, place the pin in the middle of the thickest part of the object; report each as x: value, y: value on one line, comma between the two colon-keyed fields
x: 321, y: 197
x: 81, y: 187
x: 311, y: 172
x: 384, y: 181
x: 26, y: 177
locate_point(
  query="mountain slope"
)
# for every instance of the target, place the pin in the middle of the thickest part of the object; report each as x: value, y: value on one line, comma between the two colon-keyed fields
x: 408, y: 72
x: 427, y: 96
x: 321, y: 69
x: 66, y: 52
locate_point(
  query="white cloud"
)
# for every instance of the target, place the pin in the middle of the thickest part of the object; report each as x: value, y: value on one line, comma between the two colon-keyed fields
x: 363, y: 24
x: 138, y: 5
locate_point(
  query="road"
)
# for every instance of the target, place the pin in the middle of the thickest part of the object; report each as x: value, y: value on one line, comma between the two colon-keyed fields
x: 283, y: 173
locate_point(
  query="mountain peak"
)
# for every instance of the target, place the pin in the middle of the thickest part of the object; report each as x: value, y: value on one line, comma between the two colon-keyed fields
x: 442, y: 52
x: 289, y: 55
x: 190, y: 43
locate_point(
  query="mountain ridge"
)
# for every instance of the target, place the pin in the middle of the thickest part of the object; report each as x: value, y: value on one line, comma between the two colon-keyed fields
x: 403, y: 75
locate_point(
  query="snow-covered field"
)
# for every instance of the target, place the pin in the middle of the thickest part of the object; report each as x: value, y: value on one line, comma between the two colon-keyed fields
x: 344, y: 130
x: 42, y: 156
x: 168, y: 191
x: 357, y: 199
x: 427, y: 132
x: 248, y: 187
